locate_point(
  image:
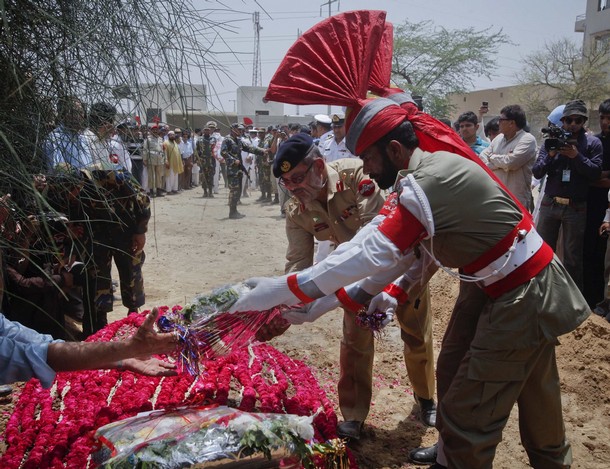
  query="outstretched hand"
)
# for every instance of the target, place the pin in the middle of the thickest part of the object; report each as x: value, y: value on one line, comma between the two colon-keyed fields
x: 312, y: 311
x: 150, y: 366
x: 146, y: 341
x: 265, y: 293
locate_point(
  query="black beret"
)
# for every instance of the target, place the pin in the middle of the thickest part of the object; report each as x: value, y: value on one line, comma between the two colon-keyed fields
x: 291, y: 153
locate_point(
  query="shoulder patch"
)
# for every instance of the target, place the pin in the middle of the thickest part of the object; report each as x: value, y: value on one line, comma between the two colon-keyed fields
x: 366, y: 187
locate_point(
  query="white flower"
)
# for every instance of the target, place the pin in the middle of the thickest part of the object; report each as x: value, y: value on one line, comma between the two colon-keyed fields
x: 303, y: 426
x: 243, y: 423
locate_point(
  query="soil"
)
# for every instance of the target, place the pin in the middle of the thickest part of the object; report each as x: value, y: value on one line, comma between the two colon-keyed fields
x: 193, y: 247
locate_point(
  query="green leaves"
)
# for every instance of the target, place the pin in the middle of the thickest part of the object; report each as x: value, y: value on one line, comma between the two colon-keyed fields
x: 432, y: 61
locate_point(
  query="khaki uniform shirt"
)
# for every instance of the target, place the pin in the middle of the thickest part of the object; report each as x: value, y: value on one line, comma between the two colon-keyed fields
x: 153, y: 151
x: 352, y: 201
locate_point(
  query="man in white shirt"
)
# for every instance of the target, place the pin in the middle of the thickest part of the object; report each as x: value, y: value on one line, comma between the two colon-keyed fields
x: 512, y: 154
x: 334, y: 148
x: 101, y: 128
x: 186, y: 153
x: 323, y: 130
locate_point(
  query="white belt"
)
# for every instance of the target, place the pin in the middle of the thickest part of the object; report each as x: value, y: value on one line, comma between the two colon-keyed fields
x: 500, y: 268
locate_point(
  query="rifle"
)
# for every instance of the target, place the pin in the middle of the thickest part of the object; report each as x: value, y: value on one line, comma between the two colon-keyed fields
x: 246, y: 172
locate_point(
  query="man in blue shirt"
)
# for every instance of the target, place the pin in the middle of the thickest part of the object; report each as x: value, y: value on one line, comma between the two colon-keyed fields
x: 67, y: 145
x: 468, y: 124
x: 569, y: 170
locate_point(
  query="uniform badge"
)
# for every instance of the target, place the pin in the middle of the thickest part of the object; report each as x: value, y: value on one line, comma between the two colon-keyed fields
x: 285, y: 167
x: 390, y: 204
x: 366, y: 187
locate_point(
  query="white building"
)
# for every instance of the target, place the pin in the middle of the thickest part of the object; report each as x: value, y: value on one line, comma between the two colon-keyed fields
x: 595, y: 24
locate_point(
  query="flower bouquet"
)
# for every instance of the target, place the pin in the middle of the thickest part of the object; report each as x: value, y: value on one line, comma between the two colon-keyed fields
x: 208, y: 331
x: 212, y: 437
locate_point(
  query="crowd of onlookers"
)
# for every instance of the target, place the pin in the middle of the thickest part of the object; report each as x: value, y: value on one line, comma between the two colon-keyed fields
x: 569, y: 170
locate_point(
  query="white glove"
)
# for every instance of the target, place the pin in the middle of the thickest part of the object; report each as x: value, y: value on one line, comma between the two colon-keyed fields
x: 312, y: 311
x: 265, y: 294
x: 386, y: 303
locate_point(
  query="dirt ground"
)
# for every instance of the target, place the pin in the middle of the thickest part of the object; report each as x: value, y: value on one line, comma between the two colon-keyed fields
x: 193, y: 247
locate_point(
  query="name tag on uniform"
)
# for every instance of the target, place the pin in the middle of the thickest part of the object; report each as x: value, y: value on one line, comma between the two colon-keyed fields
x: 565, y: 175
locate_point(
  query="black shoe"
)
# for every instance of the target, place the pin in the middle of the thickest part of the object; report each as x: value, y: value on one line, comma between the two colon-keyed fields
x: 276, y: 200
x: 427, y: 411
x: 235, y: 215
x: 424, y: 456
x: 350, y: 430
x: 437, y: 466
x: 211, y: 196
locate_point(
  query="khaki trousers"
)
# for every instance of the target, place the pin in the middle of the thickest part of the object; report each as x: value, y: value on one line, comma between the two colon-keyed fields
x: 358, y: 351
x: 478, y: 387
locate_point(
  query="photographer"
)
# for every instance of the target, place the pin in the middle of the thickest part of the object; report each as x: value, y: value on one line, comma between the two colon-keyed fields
x: 569, y: 170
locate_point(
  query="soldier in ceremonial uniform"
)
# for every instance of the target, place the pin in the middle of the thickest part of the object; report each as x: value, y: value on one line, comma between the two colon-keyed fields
x: 205, y: 153
x: 232, y: 147
x: 494, y: 355
x: 332, y: 202
x: 516, y: 298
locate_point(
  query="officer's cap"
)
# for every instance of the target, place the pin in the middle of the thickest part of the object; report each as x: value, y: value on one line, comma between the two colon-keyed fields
x: 211, y: 125
x: 291, y: 153
x: 322, y: 119
x: 338, y: 119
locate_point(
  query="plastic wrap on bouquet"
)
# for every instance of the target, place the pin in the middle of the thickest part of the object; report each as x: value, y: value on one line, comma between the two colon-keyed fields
x: 213, y: 437
x: 208, y: 331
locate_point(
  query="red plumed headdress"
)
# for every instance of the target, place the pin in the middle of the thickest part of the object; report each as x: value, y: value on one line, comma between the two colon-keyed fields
x: 331, y: 62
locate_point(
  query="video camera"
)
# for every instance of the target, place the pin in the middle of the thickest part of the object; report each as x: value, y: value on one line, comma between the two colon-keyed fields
x: 556, y: 138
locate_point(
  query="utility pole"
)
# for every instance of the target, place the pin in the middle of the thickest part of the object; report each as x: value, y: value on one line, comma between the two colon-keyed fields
x: 330, y: 13
x: 329, y: 3
x: 257, y: 69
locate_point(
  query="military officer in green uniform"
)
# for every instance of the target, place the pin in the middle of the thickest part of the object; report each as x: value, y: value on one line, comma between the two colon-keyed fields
x: 263, y: 168
x: 231, y: 149
x: 205, y: 154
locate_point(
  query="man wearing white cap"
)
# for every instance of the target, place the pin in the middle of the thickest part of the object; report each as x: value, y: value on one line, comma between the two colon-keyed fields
x: 334, y: 148
x: 323, y: 129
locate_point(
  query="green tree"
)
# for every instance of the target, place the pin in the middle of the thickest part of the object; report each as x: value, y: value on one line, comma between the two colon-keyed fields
x: 432, y: 61
x: 562, y: 71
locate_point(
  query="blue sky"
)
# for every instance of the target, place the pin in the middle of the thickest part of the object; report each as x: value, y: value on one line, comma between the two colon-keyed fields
x: 529, y: 24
